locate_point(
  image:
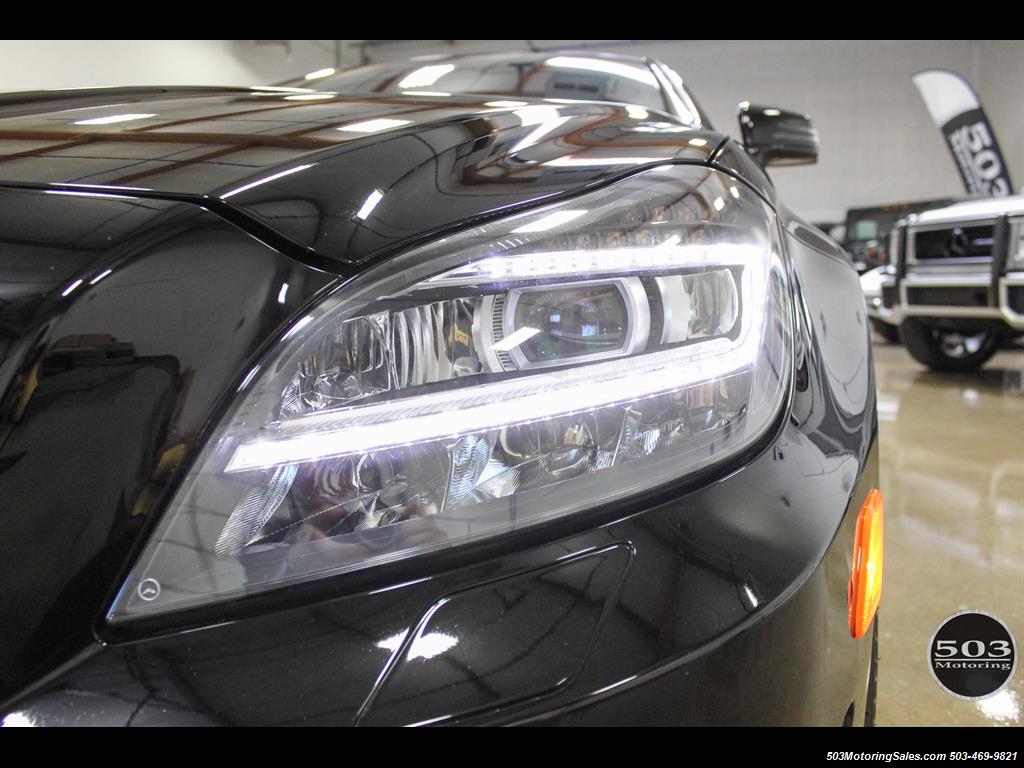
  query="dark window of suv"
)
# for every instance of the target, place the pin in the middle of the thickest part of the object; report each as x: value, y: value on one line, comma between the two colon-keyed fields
x: 972, y: 242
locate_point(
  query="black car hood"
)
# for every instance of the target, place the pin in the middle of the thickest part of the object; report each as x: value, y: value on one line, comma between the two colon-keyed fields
x: 306, y: 164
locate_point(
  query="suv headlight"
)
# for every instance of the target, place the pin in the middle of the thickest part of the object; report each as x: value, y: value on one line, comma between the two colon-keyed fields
x: 1015, y: 259
x: 509, y: 374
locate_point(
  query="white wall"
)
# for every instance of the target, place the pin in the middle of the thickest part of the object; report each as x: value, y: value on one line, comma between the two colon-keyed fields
x: 878, y: 143
x: 35, y: 64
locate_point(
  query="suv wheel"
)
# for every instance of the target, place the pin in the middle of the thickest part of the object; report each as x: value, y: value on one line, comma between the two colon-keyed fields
x: 947, y: 350
x: 890, y: 333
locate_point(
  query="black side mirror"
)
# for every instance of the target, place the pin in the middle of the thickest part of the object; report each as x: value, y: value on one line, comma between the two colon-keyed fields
x: 777, y: 137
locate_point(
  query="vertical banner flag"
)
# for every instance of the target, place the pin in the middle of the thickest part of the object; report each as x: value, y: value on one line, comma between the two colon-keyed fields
x: 957, y: 112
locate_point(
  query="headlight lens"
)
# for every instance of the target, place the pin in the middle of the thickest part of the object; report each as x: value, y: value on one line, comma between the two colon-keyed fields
x: 509, y: 374
x: 1016, y: 257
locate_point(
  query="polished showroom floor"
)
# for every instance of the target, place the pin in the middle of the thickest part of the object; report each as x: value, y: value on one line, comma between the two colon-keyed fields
x: 952, y: 458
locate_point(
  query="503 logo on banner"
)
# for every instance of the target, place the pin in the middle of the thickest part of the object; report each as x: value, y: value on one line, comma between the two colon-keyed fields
x: 977, y: 154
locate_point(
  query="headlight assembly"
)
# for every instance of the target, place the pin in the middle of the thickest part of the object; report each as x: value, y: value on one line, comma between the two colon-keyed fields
x: 509, y: 374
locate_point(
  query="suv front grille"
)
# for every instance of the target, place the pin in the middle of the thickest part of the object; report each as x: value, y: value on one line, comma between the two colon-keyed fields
x: 954, y: 243
x: 947, y: 296
x: 1015, y: 298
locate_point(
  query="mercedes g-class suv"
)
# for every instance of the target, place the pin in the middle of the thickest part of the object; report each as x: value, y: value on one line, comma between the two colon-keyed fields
x: 955, y: 283
x: 866, y: 230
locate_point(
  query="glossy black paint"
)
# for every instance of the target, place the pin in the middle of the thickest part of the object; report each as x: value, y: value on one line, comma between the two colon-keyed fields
x: 777, y: 136
x: 440, y: 162
x: 719, y: 600
x: 459, y: 171
x: 506, y: 76
x: 106, y: 387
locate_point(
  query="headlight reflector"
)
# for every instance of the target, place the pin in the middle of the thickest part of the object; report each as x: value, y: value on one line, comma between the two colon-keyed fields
x: 523, y: 370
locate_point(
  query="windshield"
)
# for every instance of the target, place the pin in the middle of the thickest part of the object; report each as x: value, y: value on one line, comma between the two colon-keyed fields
x: 863, y: 229
x: 864, y: 224
x: 590, y: 78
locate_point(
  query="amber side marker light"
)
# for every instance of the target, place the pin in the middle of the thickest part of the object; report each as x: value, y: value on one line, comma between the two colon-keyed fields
x: 865, y: 588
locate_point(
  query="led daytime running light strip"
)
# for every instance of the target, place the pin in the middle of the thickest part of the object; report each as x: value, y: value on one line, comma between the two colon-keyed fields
x: 548, y: 264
